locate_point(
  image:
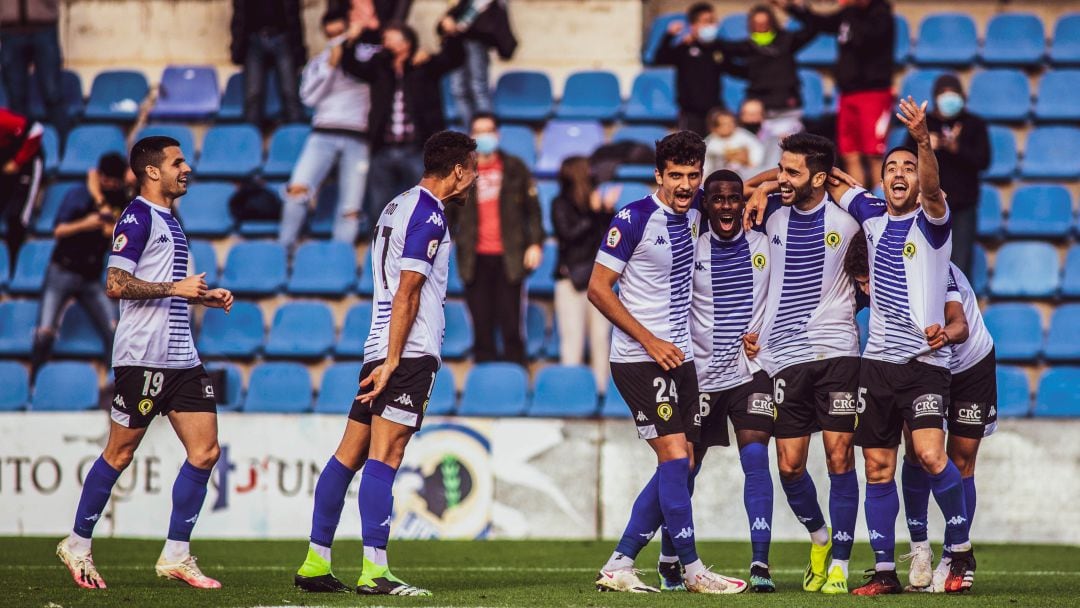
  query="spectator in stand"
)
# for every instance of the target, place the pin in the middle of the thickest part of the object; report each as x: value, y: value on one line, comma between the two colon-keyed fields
x: 21, y: 167
x: 268, y: 34
x: 865, y: 33
x: 29, y: 36
x: 386, y: 11
x: 751, y: 118
x: 961, y: 142
x: 483, y: 25
x: 698, y: 66
x: 730, y: 146
x: 497, y: 235
x: 580, y: 215
x: 83, y: 231
x: 406, y: 106
x: 338, y: 136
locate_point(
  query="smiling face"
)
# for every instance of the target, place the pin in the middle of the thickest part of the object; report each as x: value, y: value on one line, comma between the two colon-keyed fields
x: 900, y: 178
x: 796, y: 180
x: 724, y: 204
x: 677, y: 185
x: 174, y: 173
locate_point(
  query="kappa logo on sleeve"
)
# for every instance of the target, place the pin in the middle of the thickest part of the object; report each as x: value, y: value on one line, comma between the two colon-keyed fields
x: 435, y: 219
x: 129, y: 219
x: 623, y: 215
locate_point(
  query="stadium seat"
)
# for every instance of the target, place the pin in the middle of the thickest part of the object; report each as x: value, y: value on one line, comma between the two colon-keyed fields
x: 285, y: 146
x: 519, y: 141
x: 1000, y: 95
x: 279, y: 387
x: 523, y: 96
x: 14, y: 386
x: 862, y: 321
x: 546, y: 191
x: 454, y: 285
x: 1057, y: 101
x: 1017, y: 330
x: 255, y: 269
x: 1040, y: 211
x: 564, y: 391
x: 232, y: 100
x: 733, y: 91
x: 17, y: 321
x: 238, y: 334
x: 822, y: 52
x: 656, y: 33
x: 946, y: 39
x: 205, y: 260
x: 115, y: 95
x: 1070, y: 282
x: 77, y: 336
x: 613, y: 405
x: 652, y: 97
x: 536, y: 331
x: 365, y: 280
x: 813, y: 94
x: 1057, y: 393
x: 541, y: 283
x: 354, y: 332
x: 323, y: 268
x: 50, y: 207
x: 1003, y: 156
x: 65, y: 386
x: 230, y: 151
x: 564, y: 138
x: 71, y: 92
x: 1014, y: 392
x: 50, y: 148
x: 1014, y: 39
x: 204, y: 210
x: 458, y: 337
x: 187, y: 93
x: 630, y: 192
x: 86, y: 144
x: 895, y: 137
x: 1025, y: 269
x: 181, y: 133
x: 980, y: 275
x: 590, y: 95
x: 643, y: 134
x: 1052, y: 153
x: 1065, y: 49
x: 990, y: 213
x: 733, y: 27
x: 1063, y: 336
x: 340, y: 383
x: 919, y: 84
x: 30, y: 267
x: 301, y: 330
x: 443, y: 398
x: 495, y: 389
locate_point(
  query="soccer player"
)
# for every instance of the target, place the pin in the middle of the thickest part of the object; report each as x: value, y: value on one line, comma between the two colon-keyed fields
x: 155, y: 365
x: 409, y: 260
x: 810, y: 346
x: 649, y: 252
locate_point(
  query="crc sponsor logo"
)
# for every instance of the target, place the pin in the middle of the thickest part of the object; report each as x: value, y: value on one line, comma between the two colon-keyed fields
x: 969, y: 413
x: 761, y: 404
x: 927, y: 405
x: 842, y: 404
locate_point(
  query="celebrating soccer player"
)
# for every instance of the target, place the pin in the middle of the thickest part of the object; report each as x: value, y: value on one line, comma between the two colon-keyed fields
x: 410, y: 262
x: 649, y: 252
x: 156, y: 367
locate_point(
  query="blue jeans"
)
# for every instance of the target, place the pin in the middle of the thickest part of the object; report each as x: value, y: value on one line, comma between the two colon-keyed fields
x: 321, y: 152
x: 469, y: 83
x: 60, y: 286
x: 41, y: 48
x: 394, y: 169
x: 261, y: 49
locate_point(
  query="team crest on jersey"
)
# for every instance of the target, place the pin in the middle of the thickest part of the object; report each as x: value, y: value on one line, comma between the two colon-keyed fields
x: 693, y: 229
x: 145, y: 406
x: 758, y: 261
x: 432, y: 247
x: 909, y: 250
x: 664, y: 411
x: 119, y: 242
x: 833, y: 239
x: 613, y: 238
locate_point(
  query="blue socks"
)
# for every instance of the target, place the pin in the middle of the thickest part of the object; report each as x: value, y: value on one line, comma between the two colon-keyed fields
x: 969, y: 498
x: 95, y: 495
x: 188, y: 493
x: 329, y: 499
x: 758, y: 498
x: 802, y: 497
x: 667, y: 547
x: 376, y: 502
x: 948, y: 490
x: 843, y: 511
x: 645, y: 518
x: 881, y: 507
x: 916, y: 484
x: 674, y: 491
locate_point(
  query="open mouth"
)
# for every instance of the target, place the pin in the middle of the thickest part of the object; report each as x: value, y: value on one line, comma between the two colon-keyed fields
x: 727, y: 222
x: 787, y: 193
x: 898, y: 189
x: 684, y: 196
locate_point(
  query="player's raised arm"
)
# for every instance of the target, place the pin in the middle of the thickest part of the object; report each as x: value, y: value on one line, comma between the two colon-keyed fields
x: 759, y: 201
x: 602, y: 296
x: 913, y: 116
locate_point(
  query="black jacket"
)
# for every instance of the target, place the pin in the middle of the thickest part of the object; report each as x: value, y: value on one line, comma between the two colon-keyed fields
x: 423, y: 97
x: 771, y: 70
x: 491, y: 27
x: 698, y: 67
x: 960, y: 171
x: 866, y: 38
x: 579, y: 233
x: 240, y: 29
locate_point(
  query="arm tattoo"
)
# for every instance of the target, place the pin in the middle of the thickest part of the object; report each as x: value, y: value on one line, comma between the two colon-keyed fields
x: 124, y: 285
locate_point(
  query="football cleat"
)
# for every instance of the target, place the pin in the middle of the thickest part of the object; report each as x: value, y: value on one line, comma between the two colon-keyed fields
x: 760, y: 580
x: 880, y: 583
x: 815, y: 575
x: 186, y: 571
x: 315, y: 576
x: 961, y: 574
x: 81, y: 567
x: 710, y: 582
x: 378, y: 580
x: 836, y: 583
x: 921, y: 572
x: 671, y: 576
x: 623, y: 580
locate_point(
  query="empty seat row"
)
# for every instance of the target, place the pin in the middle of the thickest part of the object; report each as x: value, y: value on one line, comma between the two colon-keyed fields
x: 1036, y: 211
x: 1019, y: 335
x: 1005, y: 95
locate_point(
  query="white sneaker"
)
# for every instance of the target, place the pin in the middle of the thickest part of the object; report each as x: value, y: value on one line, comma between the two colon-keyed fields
x: 622, y: 579
x: 187, y: 571
x: 922, y: 560
x: 81, y: 567
x: 711, y: 582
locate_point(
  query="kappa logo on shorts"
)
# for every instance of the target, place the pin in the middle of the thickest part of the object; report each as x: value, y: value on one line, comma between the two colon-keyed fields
x: 761, y: 404
x: 145, y: 406
x: 405, y: 400
x: 118, y: 401
x: 969, y: 413
x: 927, y: 405
x: 641, y: 417
x: 842, y: 404
x: 664, y: 411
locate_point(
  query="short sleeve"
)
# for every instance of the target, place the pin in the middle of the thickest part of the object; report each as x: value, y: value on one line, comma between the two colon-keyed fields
x: 622, y: 238
x: 73, y: 207
x: 772, y: 205
x: 952, y: 290
x: 862, y: 205
x: 423, y: 235
x: 936, y: 230
x: 130, y: 237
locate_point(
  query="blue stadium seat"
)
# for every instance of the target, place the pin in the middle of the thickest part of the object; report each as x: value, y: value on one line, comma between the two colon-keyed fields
x: 232, y: 100
x: 204, y: 210
x: 1014, y: 39
x: 279, y: 387
x: 1025, y: 269
x: 205, y: 260
x: 495, y: 389
x: 643, y: 134
x: 980, y: 275
x: 523, y: 96
x: 354, y: 332
x: 590, y: 95
x: 17, y: 321
x: 1052, y: 153
x: 340, y: 383
x: 71, y: 92
x: 1065, y: 49
x: 365, y: 280
x: 657, y: 29
x: 1070, y: 281
x: 1057, y: 393
x: 1014, y: 392
x: 1040, y: 211
x: 1063, y: 336
x: 733, y: 91
x: 50, y: 147
x: 301, y: 330
x: 822, y: 52
x: 458, y: 338
x: 30, y: 267
x: 734, y: 27
x: 613, y: 405
x: 1003, y: 156
x: 443, y: 399
x: 323, y: 268
x: 285, y: 147
x: 187, y: 93
x: 236, y: 335
x: 631, y: 192
x: 1000, y: 95
x: 542, y: 280
x: 77, y: 336
x: 862, y: 320
x: 230, y: 151
x: 14, y: 386
x: 181, y: 133
x: 946, y: 39
x: 1057, y: 101
x: 813, y: 94
x: 565, y: 391
x: 50, y: 207
x: 86, y: 144
x: 990, y: 218
x: 564, y: 138
x: 5, y: 265
x: 255, y: 268
x: 536, y: 331
x: 895, y: 137
x: 919, y: 83
x: 115, y: 95
x: 233, y: 390
x: 454, y: 285
x: 652, y: 97
x: 1017, y: 330
x: 902, y: 43
x: 546, y: 191
x: 65, y: 386
x: 519, y: 141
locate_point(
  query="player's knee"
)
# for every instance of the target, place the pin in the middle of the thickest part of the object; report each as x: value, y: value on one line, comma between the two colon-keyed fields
x: 932, y: 459
x: 840, y: 462
x: 205, y: 458
x: 963, y: 462
x: 118, y: 457
x: 790, y: 471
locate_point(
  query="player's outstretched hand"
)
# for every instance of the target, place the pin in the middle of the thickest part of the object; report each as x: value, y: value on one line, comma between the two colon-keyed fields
x: 839, y: 177
x: 755, y: 207
x: 191, y: 288
x: 913, y: 115
x: 750, y: 345
x: 936, y: 336
x: 666, y: 354
x: 377, y: 380
x: 218, y: 298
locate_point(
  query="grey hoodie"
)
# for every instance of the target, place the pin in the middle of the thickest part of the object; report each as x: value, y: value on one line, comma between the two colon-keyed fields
x: 339, y: 100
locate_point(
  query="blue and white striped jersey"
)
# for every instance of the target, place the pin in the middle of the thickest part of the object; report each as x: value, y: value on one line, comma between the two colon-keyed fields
x: 149, y: 243
x: 411, y: 235
x: 652, y: 248
x: 979, y: 343
x: 909, y: 267
x: 810, y: 314
x: 731, y: 281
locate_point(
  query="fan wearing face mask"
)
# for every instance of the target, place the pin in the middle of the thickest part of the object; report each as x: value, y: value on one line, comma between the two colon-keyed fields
x: 695, y: 52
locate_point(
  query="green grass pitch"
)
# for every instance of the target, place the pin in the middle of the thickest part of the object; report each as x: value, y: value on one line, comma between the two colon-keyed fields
x: 494, y: 573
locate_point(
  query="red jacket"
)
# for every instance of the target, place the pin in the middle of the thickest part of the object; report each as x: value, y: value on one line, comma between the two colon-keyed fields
x: 20, y: 138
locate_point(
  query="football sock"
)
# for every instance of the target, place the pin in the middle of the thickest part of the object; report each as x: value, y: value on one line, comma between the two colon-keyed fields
x: 843, y: 511
x: 881, y: 507
x: 802, y: 498
x: 619, y: 560
x: 948, y: 490
x: 676, y: 508
x: 842, y: 563
x: 376, y: 503
x: 176, y: 550
x: 330, y: 492
x: 645, y: 518
x: 188, y: 493
x: 667, y: 548
x: 320, y: 550
x: 375, y: 555
x: 758, y: 498
x: 969, y: 499
x: 95, y: 495
x: 916, y: 484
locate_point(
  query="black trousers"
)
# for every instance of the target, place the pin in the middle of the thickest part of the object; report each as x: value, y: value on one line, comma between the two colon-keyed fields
x: 495, y: 302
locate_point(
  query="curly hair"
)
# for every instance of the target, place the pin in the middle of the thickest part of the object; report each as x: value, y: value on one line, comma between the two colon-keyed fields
x: 681, y: 148
x: 445, y: 150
